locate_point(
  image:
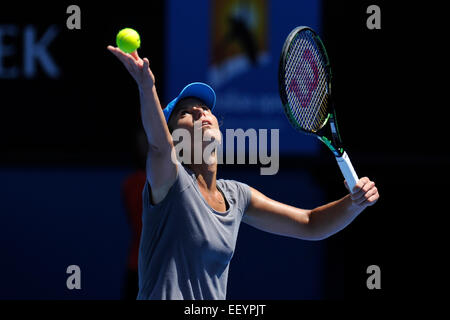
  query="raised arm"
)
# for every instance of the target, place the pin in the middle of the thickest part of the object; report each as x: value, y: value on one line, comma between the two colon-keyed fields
x: 316, y: 224
x: 161, y: 170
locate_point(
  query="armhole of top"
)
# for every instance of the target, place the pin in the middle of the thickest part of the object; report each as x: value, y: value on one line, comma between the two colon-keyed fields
x: 243, y: 191
x: 248, y: 193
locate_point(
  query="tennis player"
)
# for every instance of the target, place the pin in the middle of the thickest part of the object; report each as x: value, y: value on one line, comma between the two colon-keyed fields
x: 190, y: 218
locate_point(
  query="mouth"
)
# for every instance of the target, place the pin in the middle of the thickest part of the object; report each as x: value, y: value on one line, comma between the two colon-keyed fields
x: 206, y: 123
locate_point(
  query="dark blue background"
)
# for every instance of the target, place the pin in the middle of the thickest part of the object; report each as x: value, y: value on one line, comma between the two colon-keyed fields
x: 66, y: 145
x: 56, y: 217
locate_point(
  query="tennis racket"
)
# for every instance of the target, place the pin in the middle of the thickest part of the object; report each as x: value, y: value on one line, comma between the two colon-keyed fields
x: 304, y: 80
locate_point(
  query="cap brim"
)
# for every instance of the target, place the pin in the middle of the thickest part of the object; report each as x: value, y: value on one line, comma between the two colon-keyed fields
x: 196, y: 89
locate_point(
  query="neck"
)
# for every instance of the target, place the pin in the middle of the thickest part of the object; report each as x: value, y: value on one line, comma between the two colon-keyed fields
x: 205, y: 174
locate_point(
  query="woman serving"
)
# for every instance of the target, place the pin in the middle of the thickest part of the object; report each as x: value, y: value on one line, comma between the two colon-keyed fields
x: 190, y: 218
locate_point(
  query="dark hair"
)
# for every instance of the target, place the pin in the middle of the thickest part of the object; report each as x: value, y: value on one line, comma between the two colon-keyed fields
x: 170, y: 127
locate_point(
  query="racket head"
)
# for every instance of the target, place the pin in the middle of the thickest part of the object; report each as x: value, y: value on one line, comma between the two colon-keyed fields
x: 305, y: 80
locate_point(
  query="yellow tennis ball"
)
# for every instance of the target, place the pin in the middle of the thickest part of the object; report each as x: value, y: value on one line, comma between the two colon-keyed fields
x: 128, y: 40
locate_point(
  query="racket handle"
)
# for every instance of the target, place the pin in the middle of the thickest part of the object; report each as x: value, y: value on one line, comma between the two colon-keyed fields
x: 347, y: 170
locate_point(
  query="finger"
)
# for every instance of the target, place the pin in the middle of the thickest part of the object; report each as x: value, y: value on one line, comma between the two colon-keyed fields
x: 133, y: 58
x: 358, y: 186
x: 133, y: 65
x: 367, y: 196
x: 368, y: 186
x: 126, y: 61
x: 119, y: 54
x: 358, y: 189
x: 371, y: 200
x: 114, y: 50
x: 146, y: 66
x: 111, y: 49
x: 365, y: 189
x: 135, y: 55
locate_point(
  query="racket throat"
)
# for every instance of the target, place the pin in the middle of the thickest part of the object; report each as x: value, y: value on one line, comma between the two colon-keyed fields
x: 338, y: 151
x: 334, y: 144
x: 335, y: 131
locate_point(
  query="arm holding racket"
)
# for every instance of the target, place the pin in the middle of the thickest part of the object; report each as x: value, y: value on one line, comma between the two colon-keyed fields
x: 331, y: 218
x: 319, y: 223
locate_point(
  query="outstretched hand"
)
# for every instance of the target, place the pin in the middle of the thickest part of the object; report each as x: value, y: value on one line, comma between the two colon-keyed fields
x: 364, y: 193
x: 137, y: 67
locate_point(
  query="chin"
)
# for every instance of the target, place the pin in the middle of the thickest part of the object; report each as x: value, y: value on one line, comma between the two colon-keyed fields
x: 212, y: 134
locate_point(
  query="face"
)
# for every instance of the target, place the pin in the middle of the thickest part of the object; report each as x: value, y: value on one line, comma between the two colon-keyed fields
x: 193, y: 115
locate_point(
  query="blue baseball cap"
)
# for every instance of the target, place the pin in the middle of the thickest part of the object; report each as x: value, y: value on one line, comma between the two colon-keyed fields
x: 198, y: 90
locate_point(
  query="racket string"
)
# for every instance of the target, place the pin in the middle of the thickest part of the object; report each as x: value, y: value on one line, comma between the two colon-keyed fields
x: 307, y: 97
x: 307, y: 82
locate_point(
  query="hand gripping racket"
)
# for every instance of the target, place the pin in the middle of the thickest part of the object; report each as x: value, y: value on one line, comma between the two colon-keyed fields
x: 304, y: 80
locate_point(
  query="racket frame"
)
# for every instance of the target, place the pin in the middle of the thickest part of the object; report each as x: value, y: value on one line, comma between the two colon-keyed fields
x: 334, y: 143
x: 332, y: 139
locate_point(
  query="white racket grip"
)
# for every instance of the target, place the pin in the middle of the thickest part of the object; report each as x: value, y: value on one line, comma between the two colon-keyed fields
x: 347, y: 170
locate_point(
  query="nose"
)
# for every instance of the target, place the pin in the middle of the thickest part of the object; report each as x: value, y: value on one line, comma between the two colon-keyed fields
x: 198, y: 112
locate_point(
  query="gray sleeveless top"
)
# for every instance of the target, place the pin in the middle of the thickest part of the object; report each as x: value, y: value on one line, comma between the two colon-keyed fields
x: 186, y: 246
